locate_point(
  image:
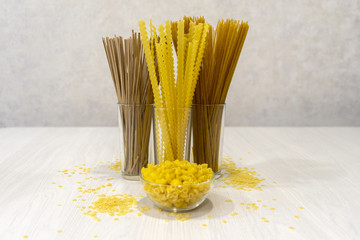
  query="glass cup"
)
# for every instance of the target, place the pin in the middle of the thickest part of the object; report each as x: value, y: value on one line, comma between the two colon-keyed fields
x: 172, y: 134
x: 135, y: 131
x: 208, y: 134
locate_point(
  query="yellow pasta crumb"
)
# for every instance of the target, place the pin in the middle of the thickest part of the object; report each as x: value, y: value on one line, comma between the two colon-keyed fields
x: 234, y: 214
x: 59, y: 231
x: 240, y: 178
x: 166, y: 220
x: 301, y: 208
x: 139, y: 214
x: 224, y: 221
x: 291, y: 227
x: 204, y: 225
x: 274, y: 199
x: 264, y: 205
x: 258, y: 200
x: 208, y: 216
x: 95, y: 236
x: 60, y: 186
x: 116, y: 166
x: 58, y: 204
x: 25, y: 236
x: 144, y: 208
x: 228, y: 200
x: 53, y: 183
x: 272, y: 208
x: 182, y: 217
x: 116, y: 219
x: 119, y: 204
x: 296, y: 216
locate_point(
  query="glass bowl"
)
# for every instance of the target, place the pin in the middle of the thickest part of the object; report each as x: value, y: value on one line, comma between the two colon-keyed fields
x: 179, y: 198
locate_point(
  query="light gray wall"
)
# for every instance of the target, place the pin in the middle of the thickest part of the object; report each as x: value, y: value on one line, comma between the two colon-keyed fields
x: 300, y: 65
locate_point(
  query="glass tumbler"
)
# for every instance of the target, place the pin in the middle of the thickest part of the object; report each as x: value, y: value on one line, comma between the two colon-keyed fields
x: 135, y: 131
x: 208, y: 135
x: 172, y: 134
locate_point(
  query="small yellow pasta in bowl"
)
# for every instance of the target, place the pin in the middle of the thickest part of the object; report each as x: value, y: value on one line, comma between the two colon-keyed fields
x: 177, y: 186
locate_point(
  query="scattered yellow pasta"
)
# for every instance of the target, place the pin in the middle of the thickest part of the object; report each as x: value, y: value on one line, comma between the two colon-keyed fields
x: 240, y: 178
x: 119, y: 204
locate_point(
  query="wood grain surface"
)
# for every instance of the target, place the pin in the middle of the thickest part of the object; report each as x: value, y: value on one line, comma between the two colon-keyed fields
x: 312, y: 173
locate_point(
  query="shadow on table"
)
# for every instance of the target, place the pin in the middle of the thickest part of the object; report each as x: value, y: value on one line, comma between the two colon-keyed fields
x: 206, y: 208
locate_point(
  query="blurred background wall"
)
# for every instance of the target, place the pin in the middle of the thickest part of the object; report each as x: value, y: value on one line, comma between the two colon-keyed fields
x: 300, y: 64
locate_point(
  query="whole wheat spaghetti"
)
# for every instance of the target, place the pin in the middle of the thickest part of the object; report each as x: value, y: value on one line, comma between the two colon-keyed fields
x: 223, y: 48
x: 133, y: 90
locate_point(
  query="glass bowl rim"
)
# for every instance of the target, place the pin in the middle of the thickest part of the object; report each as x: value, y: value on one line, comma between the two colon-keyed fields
x: 187, y: 185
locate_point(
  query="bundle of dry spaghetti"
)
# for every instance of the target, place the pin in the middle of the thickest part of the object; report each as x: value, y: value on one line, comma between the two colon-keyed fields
x: 173, y: 97
x: 133, y: 90
x: 223, y: 48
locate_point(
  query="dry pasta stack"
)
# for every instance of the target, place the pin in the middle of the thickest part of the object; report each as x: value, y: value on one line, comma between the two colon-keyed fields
x: 223, y: 48
x: 175, y: 96
x: 131, y: 81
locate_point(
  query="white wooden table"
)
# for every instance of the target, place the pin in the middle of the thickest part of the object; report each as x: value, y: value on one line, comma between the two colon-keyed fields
x: 314, y: 168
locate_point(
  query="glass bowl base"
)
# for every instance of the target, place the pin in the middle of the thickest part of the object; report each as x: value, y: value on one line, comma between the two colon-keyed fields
x: 179, y: 210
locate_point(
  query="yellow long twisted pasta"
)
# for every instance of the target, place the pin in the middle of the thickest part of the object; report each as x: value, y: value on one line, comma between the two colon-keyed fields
x: 173, y: 95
